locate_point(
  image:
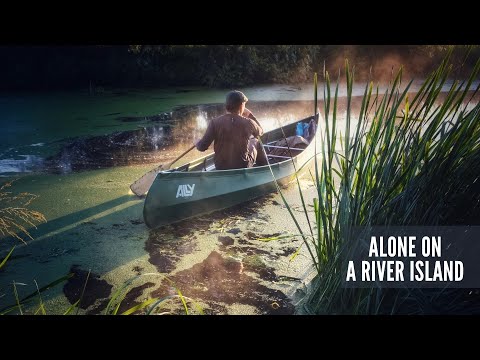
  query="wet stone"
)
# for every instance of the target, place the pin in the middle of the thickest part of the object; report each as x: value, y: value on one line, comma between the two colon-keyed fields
x: 226, y: 240
x: 234, y: 231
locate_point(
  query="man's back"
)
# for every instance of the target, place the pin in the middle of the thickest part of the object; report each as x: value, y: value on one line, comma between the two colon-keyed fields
x: 231, y: 133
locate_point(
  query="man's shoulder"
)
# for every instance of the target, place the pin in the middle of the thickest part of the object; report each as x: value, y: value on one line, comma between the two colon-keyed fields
x: 228, y: 116
x: 220, y: 118
x: 246, y: 119
x: 250, y: 121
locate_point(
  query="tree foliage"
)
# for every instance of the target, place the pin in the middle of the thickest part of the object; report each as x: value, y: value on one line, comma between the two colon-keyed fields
x: 43, y: 67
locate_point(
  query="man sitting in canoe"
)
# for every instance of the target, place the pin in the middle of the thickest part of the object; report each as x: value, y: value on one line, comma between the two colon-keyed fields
x: 235, y: 135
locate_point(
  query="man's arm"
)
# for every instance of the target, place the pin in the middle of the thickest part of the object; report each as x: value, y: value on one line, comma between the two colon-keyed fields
x: 256, y: 129
x: 207, y: 138
x: 248, y: 114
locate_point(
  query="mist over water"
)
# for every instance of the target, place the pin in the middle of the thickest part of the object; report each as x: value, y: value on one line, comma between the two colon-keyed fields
x: 122, y: 138
x: 147, y: 138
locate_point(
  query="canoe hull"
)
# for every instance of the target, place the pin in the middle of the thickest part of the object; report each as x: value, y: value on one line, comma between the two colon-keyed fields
x: 176, y: 196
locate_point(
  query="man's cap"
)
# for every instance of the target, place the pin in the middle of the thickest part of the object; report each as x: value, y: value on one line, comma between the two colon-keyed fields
x: 236, y: 97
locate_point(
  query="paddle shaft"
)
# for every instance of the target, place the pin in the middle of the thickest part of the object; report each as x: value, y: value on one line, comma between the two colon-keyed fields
x: 250, y: 115
x: 142, y: 185
x: 178, y: 158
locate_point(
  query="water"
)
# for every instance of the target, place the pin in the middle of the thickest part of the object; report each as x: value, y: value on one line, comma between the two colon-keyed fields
x: 38, y: 126
x: 79, y: 154
x: 60, y: 144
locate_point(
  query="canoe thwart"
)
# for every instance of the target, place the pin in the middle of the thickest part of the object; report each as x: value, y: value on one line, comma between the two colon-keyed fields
x: 281, y: 157
x: 283, y: 147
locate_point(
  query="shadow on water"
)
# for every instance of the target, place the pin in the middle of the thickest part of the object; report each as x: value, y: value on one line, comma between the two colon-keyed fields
x: 60, y: 231
x: 110, y: 235
x: 79, y: 216
x: 100, y: 238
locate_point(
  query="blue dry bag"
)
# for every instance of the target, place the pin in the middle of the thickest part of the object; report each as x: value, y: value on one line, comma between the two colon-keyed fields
x: 299, y: 130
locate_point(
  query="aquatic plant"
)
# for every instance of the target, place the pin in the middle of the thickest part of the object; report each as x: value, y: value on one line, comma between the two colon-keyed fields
x: 15, y: 216
x: 151, y: 305
x: 405, y: 159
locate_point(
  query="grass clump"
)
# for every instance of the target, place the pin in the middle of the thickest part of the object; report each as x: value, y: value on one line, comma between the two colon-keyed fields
x: 15, y: 216
x: 407, y: 158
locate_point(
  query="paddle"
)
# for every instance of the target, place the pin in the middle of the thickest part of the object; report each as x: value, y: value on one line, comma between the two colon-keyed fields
x: 141, y: 186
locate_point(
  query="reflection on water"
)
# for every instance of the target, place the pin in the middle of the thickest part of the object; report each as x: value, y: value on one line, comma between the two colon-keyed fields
x: 23, y: 164
x: 168, y: 136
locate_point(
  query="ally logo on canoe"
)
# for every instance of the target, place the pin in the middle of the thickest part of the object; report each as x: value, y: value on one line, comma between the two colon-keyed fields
x: 185, y: 190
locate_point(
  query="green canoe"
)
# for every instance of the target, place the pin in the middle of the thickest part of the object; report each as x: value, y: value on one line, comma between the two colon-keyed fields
x: 197, y: 188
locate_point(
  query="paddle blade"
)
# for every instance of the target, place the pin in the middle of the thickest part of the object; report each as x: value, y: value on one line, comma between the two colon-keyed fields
x: 142, y: 185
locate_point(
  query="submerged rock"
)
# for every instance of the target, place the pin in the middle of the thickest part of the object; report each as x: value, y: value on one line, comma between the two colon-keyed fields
x: 95, y: 288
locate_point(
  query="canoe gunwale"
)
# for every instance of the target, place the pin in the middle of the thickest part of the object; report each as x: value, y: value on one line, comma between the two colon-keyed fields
x: 221, y: 188
x: 210, y: 155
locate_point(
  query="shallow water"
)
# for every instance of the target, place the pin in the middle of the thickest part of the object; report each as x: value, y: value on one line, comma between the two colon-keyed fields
x: 37, y: 126
x: 79, y: 154
x: 47, y: 131
x: 95, y: 225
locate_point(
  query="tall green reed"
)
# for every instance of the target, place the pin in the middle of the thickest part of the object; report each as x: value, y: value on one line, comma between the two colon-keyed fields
x: 398, y: 162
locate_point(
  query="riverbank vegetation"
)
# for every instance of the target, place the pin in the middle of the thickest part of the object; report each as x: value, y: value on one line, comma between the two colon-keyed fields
x: 405, y: 159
